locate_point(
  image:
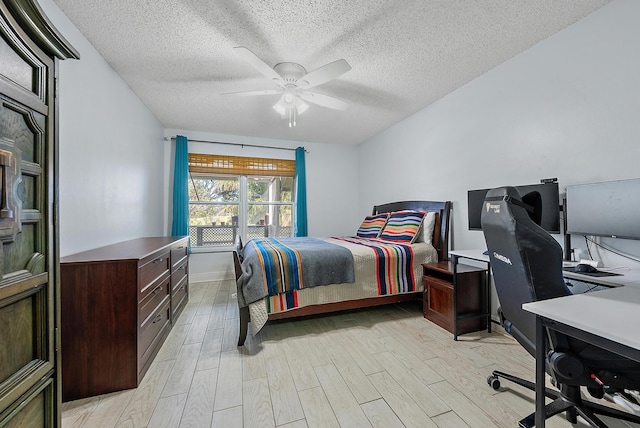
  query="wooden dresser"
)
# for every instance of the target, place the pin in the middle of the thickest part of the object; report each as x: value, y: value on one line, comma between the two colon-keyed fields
x: 118, y: 304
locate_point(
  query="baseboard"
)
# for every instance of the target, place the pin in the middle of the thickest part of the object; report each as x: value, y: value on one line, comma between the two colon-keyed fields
x: 210, y: 276
x: 497, y: 328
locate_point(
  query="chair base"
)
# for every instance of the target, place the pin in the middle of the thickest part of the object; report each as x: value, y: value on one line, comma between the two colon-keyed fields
x: 568, y: 400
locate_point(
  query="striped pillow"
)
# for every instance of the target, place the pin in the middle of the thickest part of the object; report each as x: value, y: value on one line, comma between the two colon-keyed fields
x: 372, y: 225
x: 403, y: 226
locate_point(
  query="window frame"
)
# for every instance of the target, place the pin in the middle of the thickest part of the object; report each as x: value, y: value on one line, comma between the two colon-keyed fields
x: 243, y: 207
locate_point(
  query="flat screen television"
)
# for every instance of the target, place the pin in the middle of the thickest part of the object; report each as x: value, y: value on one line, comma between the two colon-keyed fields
x: 610, y: 209
x: 549, y: 192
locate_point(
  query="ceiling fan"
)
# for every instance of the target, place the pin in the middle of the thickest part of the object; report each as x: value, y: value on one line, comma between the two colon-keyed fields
x: 294, y: 83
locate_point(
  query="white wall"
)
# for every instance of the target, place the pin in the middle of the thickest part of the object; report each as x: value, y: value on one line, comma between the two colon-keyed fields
x: 111, y: 152
x: 566, y: 108
x: 116, y: 168
x: 332, y: 192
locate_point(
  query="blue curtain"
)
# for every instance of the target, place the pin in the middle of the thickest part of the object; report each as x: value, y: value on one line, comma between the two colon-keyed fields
x: 300, y: 221
x: 180, y: 225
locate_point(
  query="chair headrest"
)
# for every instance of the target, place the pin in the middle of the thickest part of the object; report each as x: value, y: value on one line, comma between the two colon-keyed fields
x: 509, y: 196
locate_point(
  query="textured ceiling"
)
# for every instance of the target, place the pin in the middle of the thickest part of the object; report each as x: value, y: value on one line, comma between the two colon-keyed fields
x: 178, y: 56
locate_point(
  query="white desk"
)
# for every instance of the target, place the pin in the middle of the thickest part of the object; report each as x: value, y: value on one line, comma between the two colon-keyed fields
x: 608, y: 319
x: 613, y: 314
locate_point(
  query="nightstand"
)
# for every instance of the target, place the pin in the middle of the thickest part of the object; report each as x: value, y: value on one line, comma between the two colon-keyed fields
x: 456, y: 297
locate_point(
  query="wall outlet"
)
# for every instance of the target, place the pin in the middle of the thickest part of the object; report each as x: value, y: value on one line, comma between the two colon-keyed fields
x: 594, y: 263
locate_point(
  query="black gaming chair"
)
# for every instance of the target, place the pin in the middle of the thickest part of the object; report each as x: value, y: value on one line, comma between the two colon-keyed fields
x: 527, y: 266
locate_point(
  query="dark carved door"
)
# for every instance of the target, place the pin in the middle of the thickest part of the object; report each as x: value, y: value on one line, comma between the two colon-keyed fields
x: 29, y: 374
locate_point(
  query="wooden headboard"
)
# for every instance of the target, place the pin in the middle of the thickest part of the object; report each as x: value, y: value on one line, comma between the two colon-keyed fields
x: 443, y: 217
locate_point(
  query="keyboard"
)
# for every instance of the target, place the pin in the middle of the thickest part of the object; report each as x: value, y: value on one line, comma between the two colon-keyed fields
x: 594, y: 274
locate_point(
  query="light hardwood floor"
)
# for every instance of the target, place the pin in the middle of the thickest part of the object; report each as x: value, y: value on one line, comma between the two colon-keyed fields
x: 380, y: 367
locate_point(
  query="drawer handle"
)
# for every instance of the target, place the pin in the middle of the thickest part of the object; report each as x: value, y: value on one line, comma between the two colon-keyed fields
x: 157, y: 290
x: 158, y: 318
x: 158, y: 260
x: 181, y: 267
x: 180, y: 248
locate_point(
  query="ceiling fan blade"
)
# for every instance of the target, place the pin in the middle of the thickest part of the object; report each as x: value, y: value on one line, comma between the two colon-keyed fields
x: 251, y: 93
x: 324, y: 100
x: 323, y: 74
x: 259, y: 65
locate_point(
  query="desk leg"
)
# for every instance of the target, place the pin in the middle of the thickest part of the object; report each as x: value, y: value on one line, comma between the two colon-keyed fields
x: 454, y: 261
x: 488, y: 292
x: 540, y: 373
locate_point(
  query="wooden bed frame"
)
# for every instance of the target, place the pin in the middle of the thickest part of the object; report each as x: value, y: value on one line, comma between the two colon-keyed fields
x: 440, y: 243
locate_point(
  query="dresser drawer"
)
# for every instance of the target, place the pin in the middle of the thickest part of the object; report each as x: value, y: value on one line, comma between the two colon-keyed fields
x: 151, y: 270
x: 178, y: 255
x: 180, y: 287
x: 179, y: 298
x: 179, y: 273
x: 152, y: 328
x: 154, y: 299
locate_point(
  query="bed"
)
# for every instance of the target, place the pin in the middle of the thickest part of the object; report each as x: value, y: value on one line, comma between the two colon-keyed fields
x: 385, y: 269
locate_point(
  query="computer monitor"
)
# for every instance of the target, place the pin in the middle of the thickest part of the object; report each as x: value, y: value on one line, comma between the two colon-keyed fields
x: 550, y: 205
x: 610, y: 209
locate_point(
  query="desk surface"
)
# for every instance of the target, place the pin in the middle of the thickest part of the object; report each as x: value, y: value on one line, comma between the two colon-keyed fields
x: 471, y: 254
x: 627, y: 277
x: 613, y: 314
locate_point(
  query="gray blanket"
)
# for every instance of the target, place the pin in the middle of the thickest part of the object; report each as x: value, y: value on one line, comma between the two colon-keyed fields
x: 322, y: 263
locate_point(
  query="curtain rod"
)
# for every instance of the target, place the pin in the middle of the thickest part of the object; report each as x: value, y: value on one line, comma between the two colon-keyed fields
x: 240, y: 144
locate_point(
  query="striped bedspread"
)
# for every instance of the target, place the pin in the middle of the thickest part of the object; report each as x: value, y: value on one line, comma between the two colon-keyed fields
x: 280, y: 266
x: 368, y: 282
x: 393, y: 265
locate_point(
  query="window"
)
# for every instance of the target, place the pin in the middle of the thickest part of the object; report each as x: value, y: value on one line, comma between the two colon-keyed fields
x: 230, y: 195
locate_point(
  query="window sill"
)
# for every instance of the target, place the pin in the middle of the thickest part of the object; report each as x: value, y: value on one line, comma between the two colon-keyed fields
x: 205, y: 250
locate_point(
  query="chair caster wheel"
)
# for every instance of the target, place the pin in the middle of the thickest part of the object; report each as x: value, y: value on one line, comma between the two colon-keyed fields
x: 596, y: 391
x: 494, y: 382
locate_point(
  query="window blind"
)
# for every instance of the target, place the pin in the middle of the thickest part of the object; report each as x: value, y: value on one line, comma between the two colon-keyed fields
x: 241, y: 165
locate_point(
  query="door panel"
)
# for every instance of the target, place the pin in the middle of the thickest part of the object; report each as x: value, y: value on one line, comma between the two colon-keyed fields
x: 16, y: 342
x: 24, y: 127
x: 28, y: 377
x: 35, y: 410
x: 14, y: 67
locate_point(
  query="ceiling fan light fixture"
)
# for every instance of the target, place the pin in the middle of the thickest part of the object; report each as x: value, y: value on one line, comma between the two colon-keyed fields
x: 282, y: 110
x: 301, y: 106
x: 290, y: 106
